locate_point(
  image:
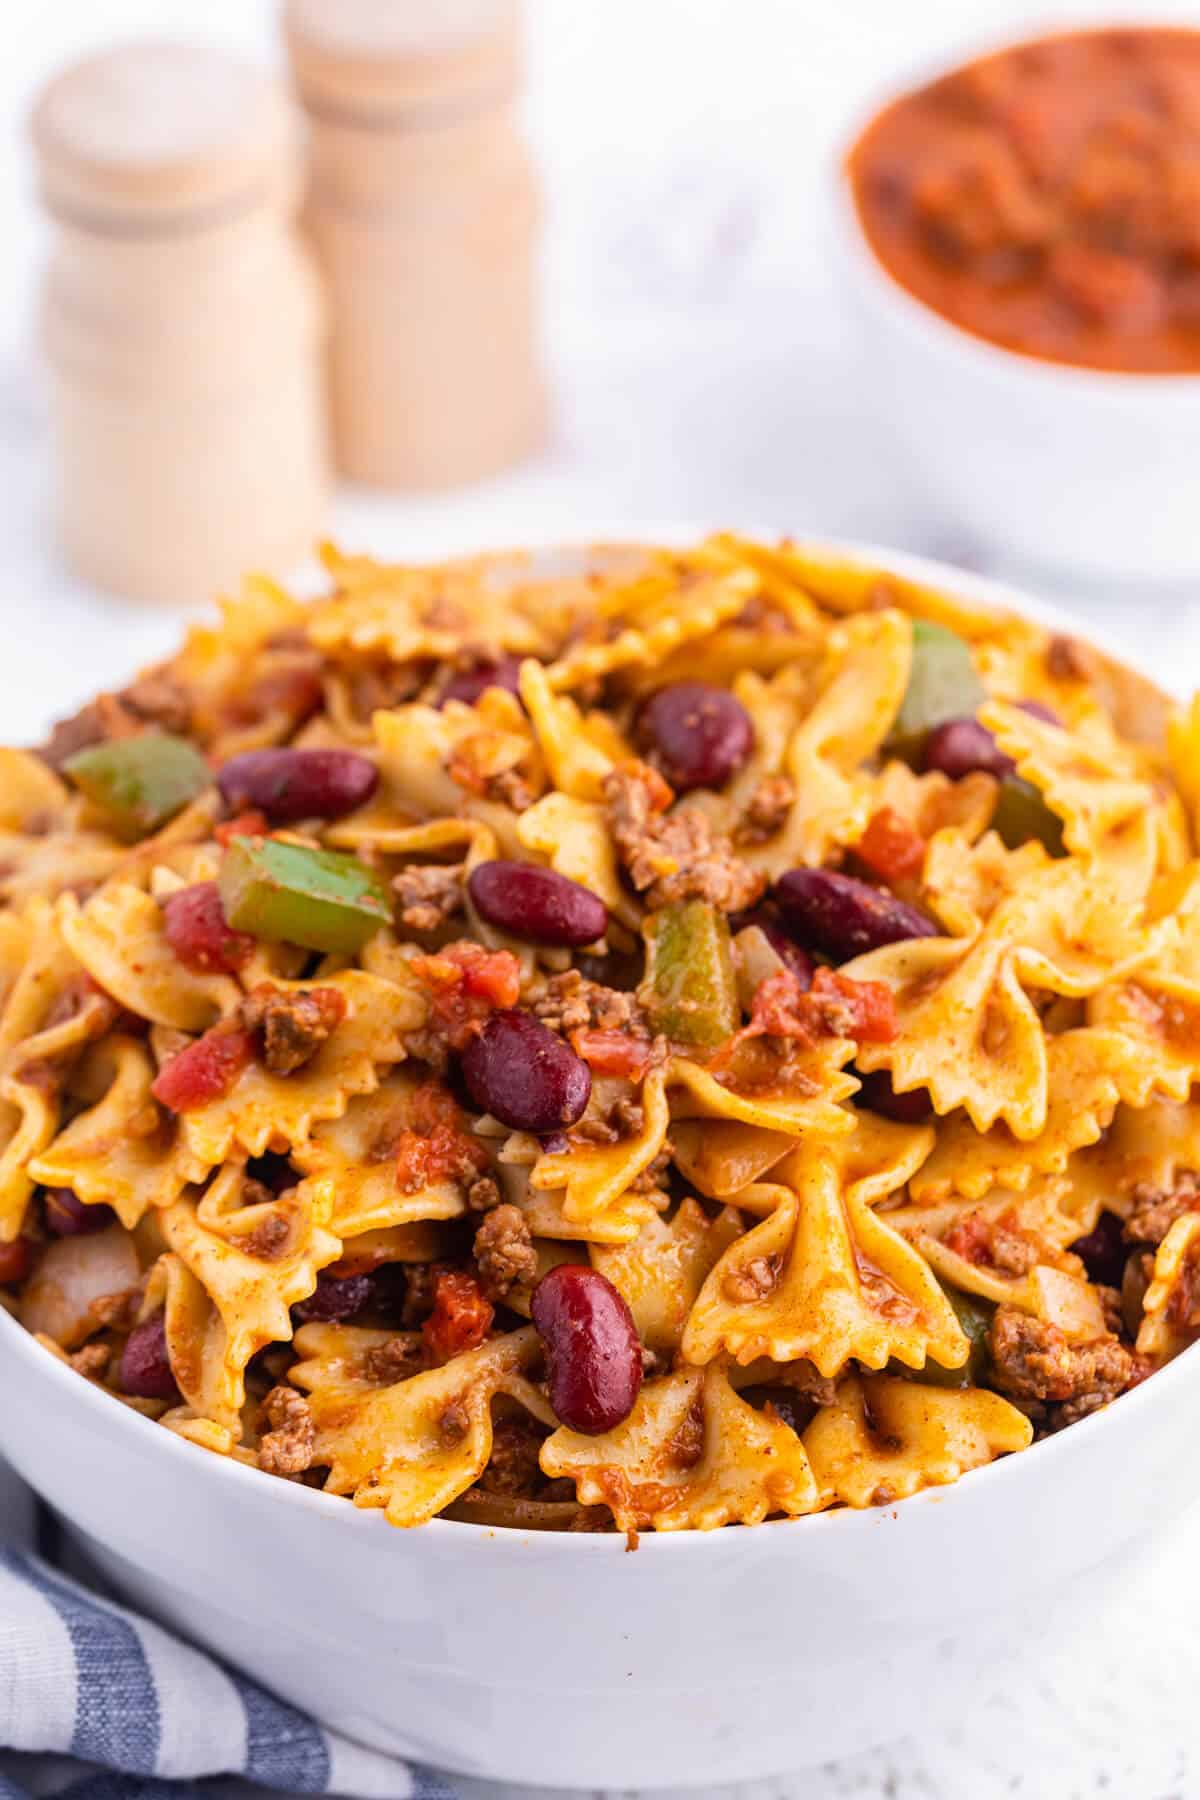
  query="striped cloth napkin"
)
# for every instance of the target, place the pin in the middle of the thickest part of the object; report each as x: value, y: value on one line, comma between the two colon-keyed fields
x: 97, y: 1703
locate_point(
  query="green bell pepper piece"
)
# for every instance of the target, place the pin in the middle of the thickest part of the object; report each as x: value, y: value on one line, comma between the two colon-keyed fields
x: 1021, y: 814
x: 975, y: 1317
x: 138, y: 783
x: 290, y: 894
x: 690, y: 991
x: 942, y: 684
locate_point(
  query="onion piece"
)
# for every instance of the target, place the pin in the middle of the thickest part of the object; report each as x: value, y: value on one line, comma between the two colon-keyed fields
x: 72, y: 1274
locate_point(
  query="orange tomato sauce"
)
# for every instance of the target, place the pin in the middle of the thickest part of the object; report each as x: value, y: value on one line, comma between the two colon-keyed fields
x: 1047, y: 197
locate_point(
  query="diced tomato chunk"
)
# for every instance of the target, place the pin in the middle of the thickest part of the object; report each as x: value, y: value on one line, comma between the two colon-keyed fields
x: 205, y: 1070
x: 890, y: 847
x: 613, y: 1052
x: 435, y: 1147
x: 196, y: 929
x: 245, y: 824
x: 466, y: 983
x: 833, y: 1006
x: 461, y: 1316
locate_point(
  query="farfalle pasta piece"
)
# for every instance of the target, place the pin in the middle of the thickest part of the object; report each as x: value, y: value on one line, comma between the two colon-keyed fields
x: 884, y: 1439
x: 1032, y: 1225
x: 43, y: 846
x: 810, y: 1101
x: 1151, y: 1148
x: 352, y: 1159
x: 1158, y: 1007
x: 579, y: 751
x: 857, y: 693
x: 1171, y: 1307
x: 426, y: 612
x: 691, y: 1454
x: 931, y: 802
x: 417, y: 747
x: 119, y: 937
x: 967, y: 1028
x: 594, y: 1178
x: 412, y: 1446
x: 1089, y: 1072
x: 254, y: 1261
x: 261, y: 1111
x: 211, y: 1380
x: 1094, y: 784
x: 661, y: 1271
x: 720, y: 1157
x: 617, y: 1222
x: 121, y: 1150
x: 826, y: 1277
x: 653, y: 617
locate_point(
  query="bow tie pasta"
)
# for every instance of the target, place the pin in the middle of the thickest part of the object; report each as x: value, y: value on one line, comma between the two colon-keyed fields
x: 614, y: 1039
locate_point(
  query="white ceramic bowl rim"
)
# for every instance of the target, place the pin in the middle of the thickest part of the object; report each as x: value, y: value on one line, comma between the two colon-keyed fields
x: 1116, y: 386
x: 197, y: 1463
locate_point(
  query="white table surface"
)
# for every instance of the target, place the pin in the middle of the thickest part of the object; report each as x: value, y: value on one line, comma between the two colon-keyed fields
x: 703, y: 370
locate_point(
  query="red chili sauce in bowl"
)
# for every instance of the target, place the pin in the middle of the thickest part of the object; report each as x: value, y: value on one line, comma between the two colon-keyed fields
x: 1047, y: 198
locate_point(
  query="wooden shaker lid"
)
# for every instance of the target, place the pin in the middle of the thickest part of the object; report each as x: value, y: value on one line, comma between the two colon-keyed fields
x: 148, y: 131
x: 384, y: 60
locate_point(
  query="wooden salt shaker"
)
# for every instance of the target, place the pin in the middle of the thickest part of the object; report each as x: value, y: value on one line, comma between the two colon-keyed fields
x: 423, y: 212
x: 182, y: 322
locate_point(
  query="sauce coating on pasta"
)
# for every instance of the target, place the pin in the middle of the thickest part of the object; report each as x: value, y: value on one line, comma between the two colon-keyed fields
x: 634, y: 1039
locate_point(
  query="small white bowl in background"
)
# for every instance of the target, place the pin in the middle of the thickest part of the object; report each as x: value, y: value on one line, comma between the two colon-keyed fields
x: 1047, y: 464
x: 541, y: 1658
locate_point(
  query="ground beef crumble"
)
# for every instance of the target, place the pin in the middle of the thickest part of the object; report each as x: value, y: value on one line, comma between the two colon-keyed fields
x: 1035, y: 1361
x: 287, y: 1449
x: 504, y: 1252
x: 428, y: 894
x: 293, y: 1023
x: 570, y: 1002
x: 395, y: 1360
x: 1155, y: 1209
x: 513, y: 1468
x: 673, y: 856
x: 768, y: 807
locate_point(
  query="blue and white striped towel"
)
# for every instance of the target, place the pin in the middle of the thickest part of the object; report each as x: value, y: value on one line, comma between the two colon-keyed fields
x: 97, y: 1703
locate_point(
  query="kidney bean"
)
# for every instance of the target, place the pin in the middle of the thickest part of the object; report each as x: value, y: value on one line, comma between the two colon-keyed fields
x: 334, y: 1298
x: 195, y: 927
x: 16, y: 1260
x: 1103, y: 1251
x: 145, y: 1368
x: 536, y: 903
x: 842, y: 916
x: 593, y: 1356
x: 288, y: 785
x: 698, y: 734
x: 68, y: 1216
x: 962, y: 746
x: 524, y: 1075
x: 879, y: 1096
x: 469, y: 685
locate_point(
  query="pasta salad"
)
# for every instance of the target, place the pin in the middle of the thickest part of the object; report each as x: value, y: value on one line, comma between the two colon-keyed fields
x: 627, y: 1039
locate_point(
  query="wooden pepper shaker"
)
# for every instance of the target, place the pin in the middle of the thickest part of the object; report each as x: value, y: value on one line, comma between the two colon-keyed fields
x: 423, y: 212
x: 182, y: 322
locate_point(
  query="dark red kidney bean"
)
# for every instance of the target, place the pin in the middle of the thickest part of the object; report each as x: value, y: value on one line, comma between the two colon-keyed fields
x: 842, y: 916
x: 16, y: 1260
x: 1104, y: 1250
x: 145, y: 1369
x: 469, y: 685
x: 524, y: 1075
x: 68, y: 1216
x: 536, y: 903
x: 288, y: 785
x: 791, y: 954
x: 879, y: 1096
x: 791, y: 1405
x: 334, y: 1297
x: 195, y: 927
x: 593, y: 1356
x: 698, y: 734
x: 963, y: 747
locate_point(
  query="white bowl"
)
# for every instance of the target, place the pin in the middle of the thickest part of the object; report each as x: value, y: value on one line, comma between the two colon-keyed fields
x: 1050, y: 464
x: 562, y: 1659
